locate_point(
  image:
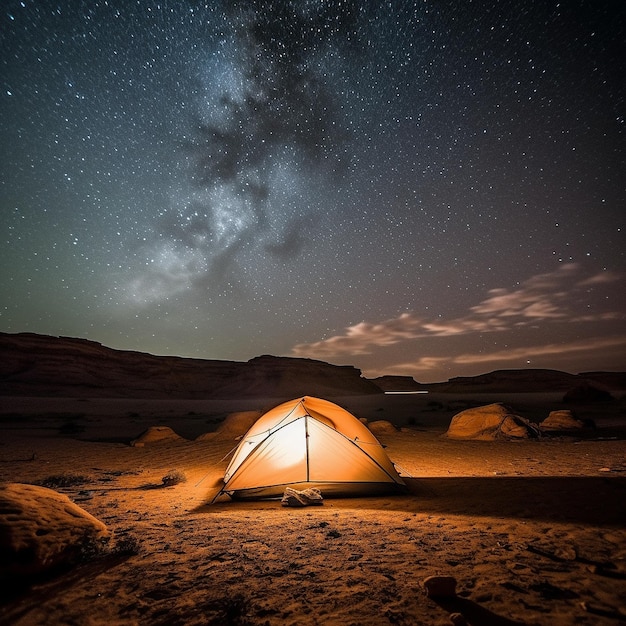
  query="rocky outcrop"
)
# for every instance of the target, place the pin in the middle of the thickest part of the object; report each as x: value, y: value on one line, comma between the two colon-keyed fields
x: 563, y: 420
x: 156, y: 434
x: 43, y: 530
x: 382, y: 427
x: 489, y: 423
x: 41, y: 365
x: 235, y: 425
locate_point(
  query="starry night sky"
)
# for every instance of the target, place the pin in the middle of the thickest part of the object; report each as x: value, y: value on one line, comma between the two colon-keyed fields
x: 420, y: 188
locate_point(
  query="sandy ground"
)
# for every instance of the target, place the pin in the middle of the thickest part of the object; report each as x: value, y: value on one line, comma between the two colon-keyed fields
x: 533, y: 531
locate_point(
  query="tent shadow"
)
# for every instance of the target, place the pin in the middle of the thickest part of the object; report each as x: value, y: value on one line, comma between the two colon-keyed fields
x: 20, y: 595
x: 475, y: 614
x: 580, y: 500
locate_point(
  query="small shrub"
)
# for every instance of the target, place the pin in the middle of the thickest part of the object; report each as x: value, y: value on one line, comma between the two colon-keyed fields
x: 127, y: 546
x: 174, y: 477
x: 63, y: 480
x: 230, y: 611
x: 90, y: 548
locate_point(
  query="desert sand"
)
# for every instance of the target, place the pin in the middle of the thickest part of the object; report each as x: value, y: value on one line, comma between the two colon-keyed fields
x: 533, y: 531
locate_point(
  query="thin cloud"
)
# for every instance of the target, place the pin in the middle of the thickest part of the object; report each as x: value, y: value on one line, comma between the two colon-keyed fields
x: 362, y: 337
x: 464, y: 326
x: 601, y: 278
x: 541, y: 298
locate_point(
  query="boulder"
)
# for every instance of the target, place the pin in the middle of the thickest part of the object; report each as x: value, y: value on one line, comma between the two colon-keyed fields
x: 490, y: 422
x: 156, y: 434
x: 235, y: 426
x: 41, y: 530
x: 563, y: 420
x: 382, y: 427
x: 238, y: 424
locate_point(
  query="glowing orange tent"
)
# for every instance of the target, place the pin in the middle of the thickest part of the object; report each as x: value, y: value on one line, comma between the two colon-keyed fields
x: 309, y: 442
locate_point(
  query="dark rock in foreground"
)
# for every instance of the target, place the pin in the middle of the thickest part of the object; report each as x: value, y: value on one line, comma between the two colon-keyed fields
x: 43, y: 530
x: 41, y: 365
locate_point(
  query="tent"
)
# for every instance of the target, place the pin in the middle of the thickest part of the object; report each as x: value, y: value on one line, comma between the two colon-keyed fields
x: 309, y: 442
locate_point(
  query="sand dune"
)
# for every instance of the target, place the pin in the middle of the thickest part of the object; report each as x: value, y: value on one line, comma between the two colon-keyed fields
x: 533, y: 531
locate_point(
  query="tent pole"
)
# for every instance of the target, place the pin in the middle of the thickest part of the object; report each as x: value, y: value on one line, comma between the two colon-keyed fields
x: 306, y: 438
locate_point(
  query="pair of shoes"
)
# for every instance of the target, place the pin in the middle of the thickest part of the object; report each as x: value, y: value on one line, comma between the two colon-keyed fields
x: 307, y: 497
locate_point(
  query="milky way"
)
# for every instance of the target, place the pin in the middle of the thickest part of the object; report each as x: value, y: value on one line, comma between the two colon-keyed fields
x: 419, y: 188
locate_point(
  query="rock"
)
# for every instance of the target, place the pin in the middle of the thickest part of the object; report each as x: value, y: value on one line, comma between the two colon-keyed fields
x: 490, y: 422
x: 41, y: 530
x: 237, y: 424
x: 382, y: 427
x: 440, y: 586
x: 155, y: 434
x: 563, y: 420
x: 458, y: 619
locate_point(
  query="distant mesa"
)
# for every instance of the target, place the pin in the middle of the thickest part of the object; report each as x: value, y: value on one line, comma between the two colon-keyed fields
x: 46, y: 366
x: 42, y: 365
x: 530, y: 380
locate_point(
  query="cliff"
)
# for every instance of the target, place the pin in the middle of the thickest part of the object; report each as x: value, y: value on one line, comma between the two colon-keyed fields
x: 42, y: 365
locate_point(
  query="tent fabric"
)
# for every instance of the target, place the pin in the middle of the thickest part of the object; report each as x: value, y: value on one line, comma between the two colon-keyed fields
x: 309, y: 442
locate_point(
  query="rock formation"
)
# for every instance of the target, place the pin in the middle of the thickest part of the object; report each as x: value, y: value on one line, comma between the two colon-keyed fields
x: 156, y: 434
x: 490, y: 422
x: 42, y: 530
x: 40, y: 365
x: 529, y: 380
x: 564, y: 420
